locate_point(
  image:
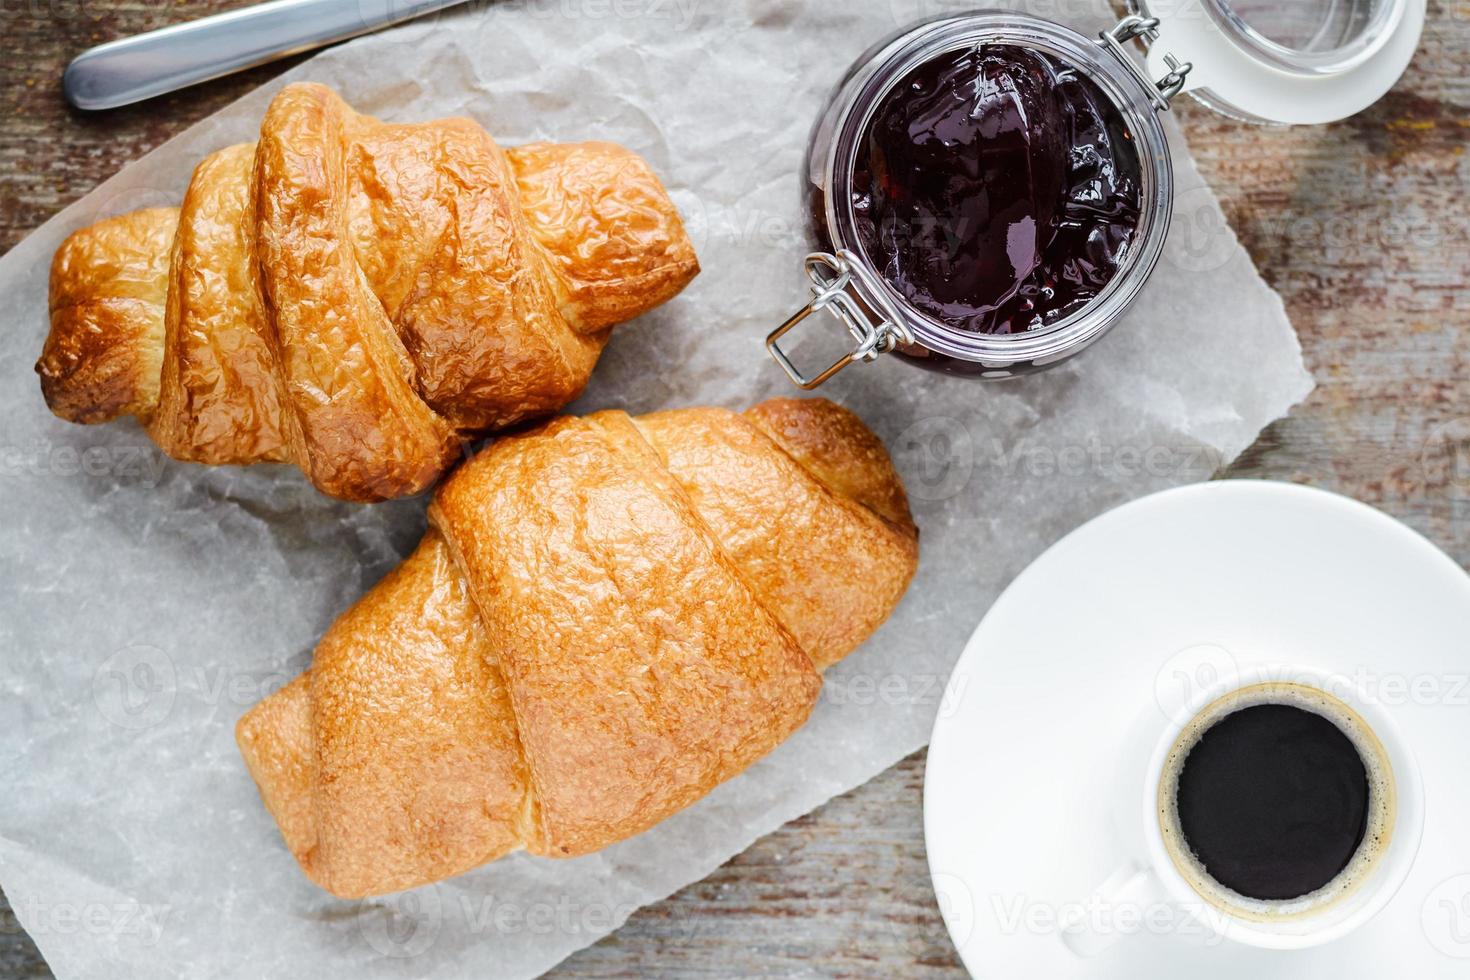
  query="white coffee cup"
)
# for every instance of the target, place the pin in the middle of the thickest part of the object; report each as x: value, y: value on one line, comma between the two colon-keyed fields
x: 1161, y: 875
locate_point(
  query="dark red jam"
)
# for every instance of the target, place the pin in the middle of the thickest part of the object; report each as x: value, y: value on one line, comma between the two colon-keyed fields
x: 996, y: 189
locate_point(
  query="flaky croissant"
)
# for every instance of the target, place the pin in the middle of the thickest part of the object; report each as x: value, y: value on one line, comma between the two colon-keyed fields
x: 608, y: 617
x: 355, y: 296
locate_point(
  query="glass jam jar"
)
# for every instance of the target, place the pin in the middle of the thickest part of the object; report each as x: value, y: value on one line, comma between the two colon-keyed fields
x: 1311, y: 61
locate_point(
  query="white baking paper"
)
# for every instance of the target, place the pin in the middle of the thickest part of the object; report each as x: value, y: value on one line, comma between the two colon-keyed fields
x: 146, y: 604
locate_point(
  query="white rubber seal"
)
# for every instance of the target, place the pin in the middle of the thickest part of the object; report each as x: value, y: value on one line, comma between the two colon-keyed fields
x: 1228, y: 71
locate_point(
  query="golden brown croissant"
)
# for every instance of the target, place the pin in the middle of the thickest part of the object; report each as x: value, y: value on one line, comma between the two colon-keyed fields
x: 354, y: 296
x: 607, y: 617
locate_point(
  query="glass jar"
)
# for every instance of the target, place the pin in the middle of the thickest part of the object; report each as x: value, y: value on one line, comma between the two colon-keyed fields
x: 1308, y: 62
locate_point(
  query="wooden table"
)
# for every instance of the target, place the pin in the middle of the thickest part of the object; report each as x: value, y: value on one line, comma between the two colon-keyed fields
x: 1363, y: 227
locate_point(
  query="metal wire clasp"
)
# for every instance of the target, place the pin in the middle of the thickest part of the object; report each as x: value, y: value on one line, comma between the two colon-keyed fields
x: 1135, y: 26
x: 842, y: 284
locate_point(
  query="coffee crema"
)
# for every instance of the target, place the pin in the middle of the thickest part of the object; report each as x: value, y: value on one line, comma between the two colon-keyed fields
x: 1276, y: 800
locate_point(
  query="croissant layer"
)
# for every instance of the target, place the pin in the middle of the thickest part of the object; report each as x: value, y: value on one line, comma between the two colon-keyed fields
x: 608, y: 617
x: 356, y: 297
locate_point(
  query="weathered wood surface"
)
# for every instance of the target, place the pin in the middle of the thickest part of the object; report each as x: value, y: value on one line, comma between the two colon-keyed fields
x: 1364, y: 228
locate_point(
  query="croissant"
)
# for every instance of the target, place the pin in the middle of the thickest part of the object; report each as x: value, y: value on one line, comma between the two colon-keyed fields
x: 607, y: 617
x: 355, y: 297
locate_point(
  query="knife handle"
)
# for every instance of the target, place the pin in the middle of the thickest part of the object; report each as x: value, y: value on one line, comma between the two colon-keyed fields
x: 135, y: 68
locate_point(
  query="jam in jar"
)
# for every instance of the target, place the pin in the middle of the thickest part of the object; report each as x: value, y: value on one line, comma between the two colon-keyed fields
x: 988, y: 192
x: 996, y: 189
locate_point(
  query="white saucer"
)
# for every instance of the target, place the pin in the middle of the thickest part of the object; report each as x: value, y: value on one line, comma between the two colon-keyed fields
x: 1076, y: 666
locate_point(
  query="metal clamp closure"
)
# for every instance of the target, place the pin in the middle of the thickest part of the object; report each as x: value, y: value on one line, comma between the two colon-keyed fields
x: 1134, y: 26
x: 842, y: 283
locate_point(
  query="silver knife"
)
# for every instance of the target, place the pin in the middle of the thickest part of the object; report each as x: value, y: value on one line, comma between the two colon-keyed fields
x: 122, y: 72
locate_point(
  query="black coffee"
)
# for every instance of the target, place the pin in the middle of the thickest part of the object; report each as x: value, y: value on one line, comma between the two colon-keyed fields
x: 1273, y: 800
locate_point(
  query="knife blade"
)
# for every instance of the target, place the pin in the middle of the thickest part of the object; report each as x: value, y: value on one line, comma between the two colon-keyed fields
x: 132, y: 69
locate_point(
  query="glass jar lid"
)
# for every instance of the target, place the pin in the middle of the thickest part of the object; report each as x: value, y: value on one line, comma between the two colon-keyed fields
x: 1299, y: 61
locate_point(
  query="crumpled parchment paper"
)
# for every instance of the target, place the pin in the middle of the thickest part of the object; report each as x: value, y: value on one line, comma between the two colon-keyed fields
x: 146, y: 604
